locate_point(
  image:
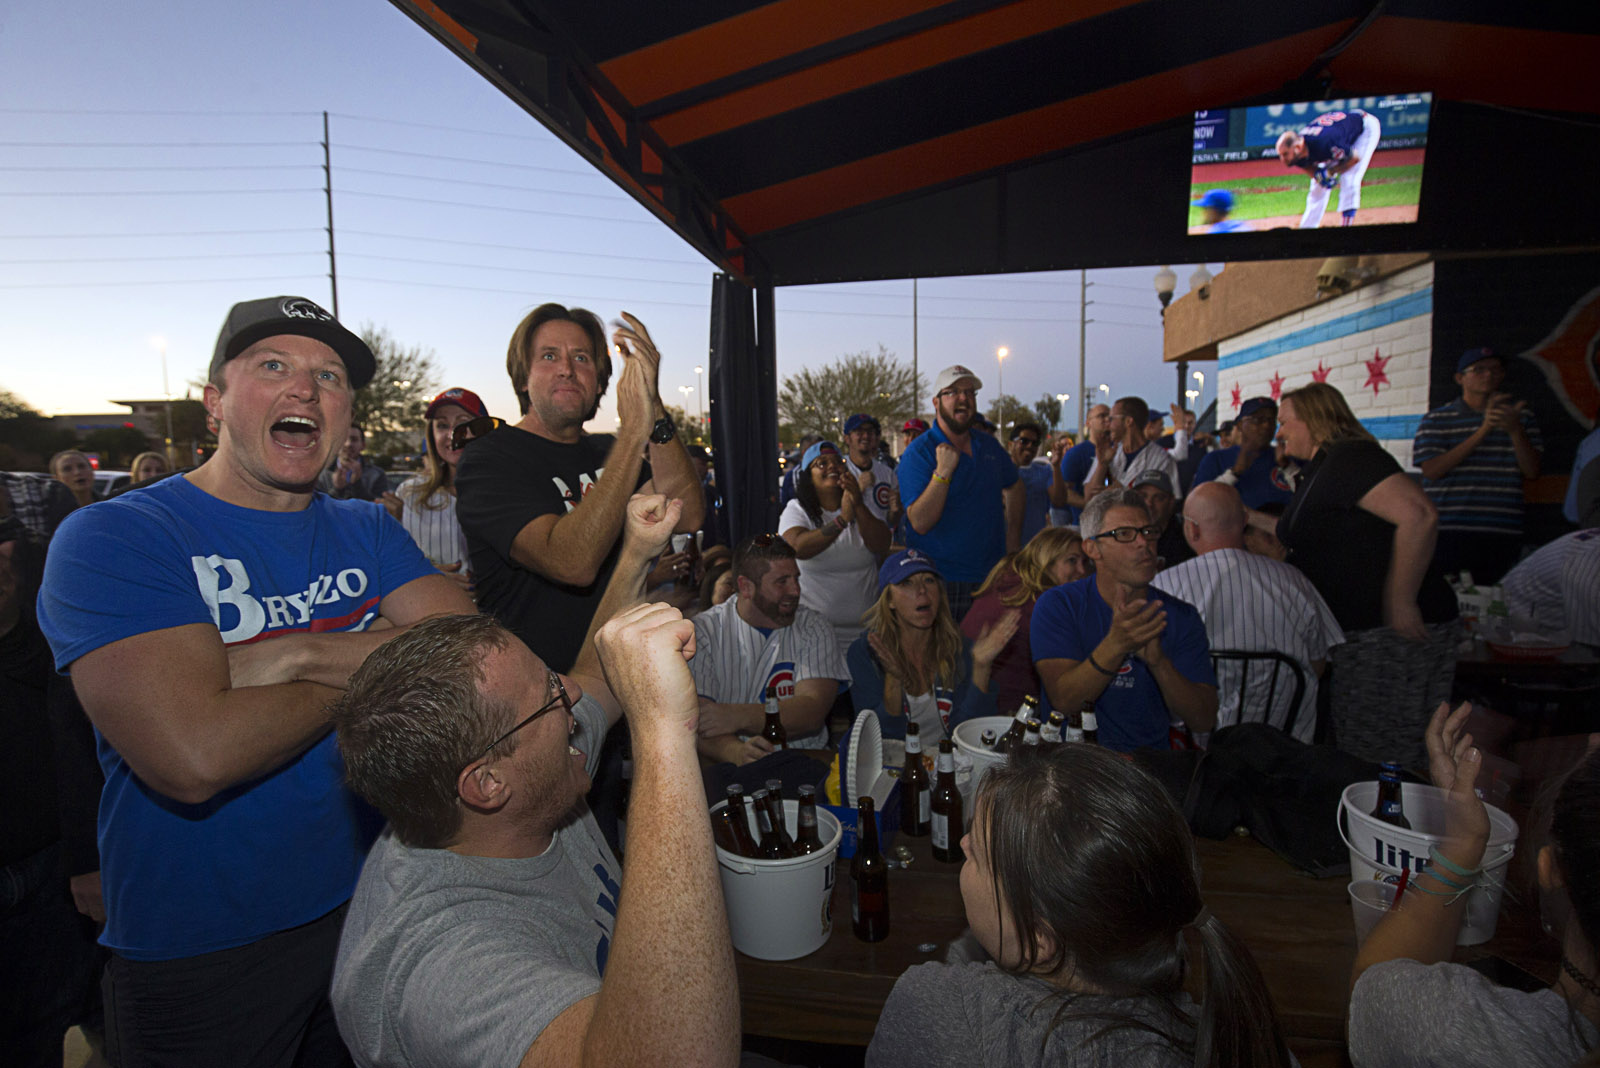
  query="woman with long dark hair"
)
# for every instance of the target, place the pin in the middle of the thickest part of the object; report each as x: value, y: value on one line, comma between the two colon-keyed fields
x: 1080, y: 882
x: 1410, y: 1005
x: 837, y: 540
x: 1363, y: 532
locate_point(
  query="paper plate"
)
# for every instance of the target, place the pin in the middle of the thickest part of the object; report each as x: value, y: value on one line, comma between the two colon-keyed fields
x: 863, y: 758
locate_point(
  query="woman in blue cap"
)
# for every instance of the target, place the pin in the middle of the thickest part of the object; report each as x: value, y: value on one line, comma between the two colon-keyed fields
x: 836, y: 538
x: 913, y: 663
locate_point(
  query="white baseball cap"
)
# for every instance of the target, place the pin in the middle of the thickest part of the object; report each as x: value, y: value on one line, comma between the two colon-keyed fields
x: 953, y: 374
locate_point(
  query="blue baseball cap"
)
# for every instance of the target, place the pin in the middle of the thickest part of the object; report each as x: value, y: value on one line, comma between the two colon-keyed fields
x: 820, y: 448
x: 1472, y: 356
x: 859, y: 420
x: 1216, y: 199
x: 902, y: 565
x: 1255, y: 404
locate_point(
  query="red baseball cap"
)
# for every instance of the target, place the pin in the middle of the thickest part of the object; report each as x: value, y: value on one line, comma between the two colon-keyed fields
x: 461, y: 398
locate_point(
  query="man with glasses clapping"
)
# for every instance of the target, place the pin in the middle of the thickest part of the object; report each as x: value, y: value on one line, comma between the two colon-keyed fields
x: 1138, y: 654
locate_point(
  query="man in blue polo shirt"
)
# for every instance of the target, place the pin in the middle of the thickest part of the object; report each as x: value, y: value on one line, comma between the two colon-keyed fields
x: 1250, y: 466
x: 1139, y: 654
x: 1475, y: 453
x: 966, y: 502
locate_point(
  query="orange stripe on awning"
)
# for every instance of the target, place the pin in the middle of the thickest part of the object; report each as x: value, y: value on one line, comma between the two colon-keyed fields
x: 1027, y: 135
x: 734, y: 44
x: 448, y: 24
x: 1513, y: 67
x: 880, y: 63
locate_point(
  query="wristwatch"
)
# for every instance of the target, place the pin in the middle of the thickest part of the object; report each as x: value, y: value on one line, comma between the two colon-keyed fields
x: 663, y: 431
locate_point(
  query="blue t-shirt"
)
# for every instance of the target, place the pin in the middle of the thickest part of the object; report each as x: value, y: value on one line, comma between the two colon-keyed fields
x: 1070, y: 620
x: 1588, y: 452
x: 262, y: 856
x: 1075, y: 466
x: 1262, y: 483
x: 970, y: 536
x: 1036, y: 480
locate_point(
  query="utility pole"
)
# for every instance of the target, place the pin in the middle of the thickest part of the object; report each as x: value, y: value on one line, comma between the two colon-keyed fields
x: 916, y: 387
x: 327, y: 189
x: 1083, y: 323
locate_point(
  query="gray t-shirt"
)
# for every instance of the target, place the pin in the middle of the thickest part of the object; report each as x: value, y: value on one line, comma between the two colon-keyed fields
x: 960, y: 1015
x: 1408, y: 1014
x: 455, y: 960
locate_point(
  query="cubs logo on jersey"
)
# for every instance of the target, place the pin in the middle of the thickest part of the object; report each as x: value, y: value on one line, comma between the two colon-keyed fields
x: 780, y: 681
x: 944, y: 700
x: 880, y: 496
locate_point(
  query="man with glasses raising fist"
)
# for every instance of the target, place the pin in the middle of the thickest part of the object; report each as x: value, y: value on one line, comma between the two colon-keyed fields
x: 1140, y: 655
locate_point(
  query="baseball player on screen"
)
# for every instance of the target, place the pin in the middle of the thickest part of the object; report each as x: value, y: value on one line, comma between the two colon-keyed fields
x: 1336, y: 148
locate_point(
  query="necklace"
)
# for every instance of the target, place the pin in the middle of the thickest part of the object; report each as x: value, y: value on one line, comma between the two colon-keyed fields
x: 1578, y: 977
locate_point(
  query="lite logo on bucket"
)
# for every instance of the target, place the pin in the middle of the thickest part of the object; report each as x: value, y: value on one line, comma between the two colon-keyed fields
x: 1387, y: 854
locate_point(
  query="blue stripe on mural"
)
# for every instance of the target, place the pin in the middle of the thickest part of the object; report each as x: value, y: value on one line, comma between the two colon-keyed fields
x: 1393, y: 427
x: 1406, y: 307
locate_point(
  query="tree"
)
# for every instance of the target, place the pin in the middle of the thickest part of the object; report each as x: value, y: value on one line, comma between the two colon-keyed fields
x: 391, y: 406
x: 818, y: 401
x: 1005, y: 410
x: 116, y: 445
x: 1048, y: 409
x: 27, y: 437
x: 688, y: 426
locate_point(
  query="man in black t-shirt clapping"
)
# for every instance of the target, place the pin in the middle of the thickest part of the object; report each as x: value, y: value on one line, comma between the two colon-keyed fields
x: 541, y: 501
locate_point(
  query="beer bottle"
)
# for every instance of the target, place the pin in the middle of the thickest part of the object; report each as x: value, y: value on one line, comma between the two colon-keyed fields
x: 1051, y: 735
x: 770, y: 847
x: 722, y: 830
x: 1390, y: 808
x: 627, y: 790
x: 740, y: 822
x: 869, y: 879
x: 1034, y: 736
x: 1090, y: 724
x: 806, y: 839
x: 1019, y: 727
x: 987, y: 739
x: 916, y: 792
x: 946, y: 809
x: 772, y: 730
x: 779, y: 821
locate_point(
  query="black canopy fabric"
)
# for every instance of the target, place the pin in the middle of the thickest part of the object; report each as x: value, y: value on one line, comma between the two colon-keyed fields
x: 827, y: 140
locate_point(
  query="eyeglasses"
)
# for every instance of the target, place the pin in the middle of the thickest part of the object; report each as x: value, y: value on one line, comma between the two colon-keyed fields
x: 1032, y: 443
x: 1128, y: 534
x: 560, y: 698
x: 953, y: 392
x: 474, y: 428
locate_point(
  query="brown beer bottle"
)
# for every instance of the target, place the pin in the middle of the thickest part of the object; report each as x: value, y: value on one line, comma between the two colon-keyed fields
x: 722, y: 830
x: 1390, y: 809
x: 916, y: 792
x: 770, y: 847
x: 1019, y: 727
x: 772, y: 730
x: 1089, y: 724
x: 806, y: 839
x: 1051, y: 735
x: 740, y: 822
x: 869, y: 879
x: 779, y: 823
x: 946, y: 809
x: 1033, y: 737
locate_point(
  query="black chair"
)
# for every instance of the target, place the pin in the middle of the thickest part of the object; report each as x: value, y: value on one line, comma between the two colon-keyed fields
x: 1272, y: 664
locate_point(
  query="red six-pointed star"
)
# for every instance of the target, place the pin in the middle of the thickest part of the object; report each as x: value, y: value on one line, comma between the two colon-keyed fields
x: 1321, y: 373
x: 1375, y: 374
x: 1236, y: 400
x: 1277, y: 385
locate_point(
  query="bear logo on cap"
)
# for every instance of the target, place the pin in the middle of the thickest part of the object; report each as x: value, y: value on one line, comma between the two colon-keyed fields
x: 301, y: 308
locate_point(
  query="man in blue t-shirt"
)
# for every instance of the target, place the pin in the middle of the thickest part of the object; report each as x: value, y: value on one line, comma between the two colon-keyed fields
x: 1081, y: 461
x: 1037, y: 478
x: 964, y: 500
x: 1113, y: 639
x: 207, y: 622
x: 1250, y: 466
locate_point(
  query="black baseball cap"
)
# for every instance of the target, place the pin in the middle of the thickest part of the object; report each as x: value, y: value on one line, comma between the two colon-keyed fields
x: 251, y: 320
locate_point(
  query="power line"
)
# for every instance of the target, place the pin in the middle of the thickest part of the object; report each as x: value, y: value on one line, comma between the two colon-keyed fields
x: 157, y: 144
x: 157, y: 192
x: 110, y: 111
x: 161, y: 259
x: 156, y: 282
x: 495, y: 207
x: 343, y: 147
x: 561, y: 273
x: 617, y: 197
x: 522, y: 248
x: 435, y: 126
x: 167, y: 233
x: 172, y: 167
x: 523, y: 293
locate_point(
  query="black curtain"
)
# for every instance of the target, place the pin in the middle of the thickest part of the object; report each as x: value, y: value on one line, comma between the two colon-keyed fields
x: 744, y: 405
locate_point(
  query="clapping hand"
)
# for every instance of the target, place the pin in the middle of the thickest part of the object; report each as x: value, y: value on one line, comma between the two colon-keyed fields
x: 1137, y: 626
x: 992, y: 639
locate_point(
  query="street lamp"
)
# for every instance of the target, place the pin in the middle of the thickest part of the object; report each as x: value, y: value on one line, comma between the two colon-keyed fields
x: 161, y: 343
x: 1166, y: 281
x: 1000, y: 379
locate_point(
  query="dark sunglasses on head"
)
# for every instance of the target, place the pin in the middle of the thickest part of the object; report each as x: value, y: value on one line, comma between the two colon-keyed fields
x: 1128, y: 534
x: 474, y: 428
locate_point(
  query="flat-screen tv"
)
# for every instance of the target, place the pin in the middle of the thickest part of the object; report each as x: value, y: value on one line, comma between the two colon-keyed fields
x: 1323, y: 163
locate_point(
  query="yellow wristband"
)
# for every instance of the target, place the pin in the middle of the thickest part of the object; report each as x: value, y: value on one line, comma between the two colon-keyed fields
x: 941, y: 478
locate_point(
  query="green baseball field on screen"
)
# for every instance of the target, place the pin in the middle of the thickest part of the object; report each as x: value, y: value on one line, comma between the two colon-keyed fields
x: 1265, y: 198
